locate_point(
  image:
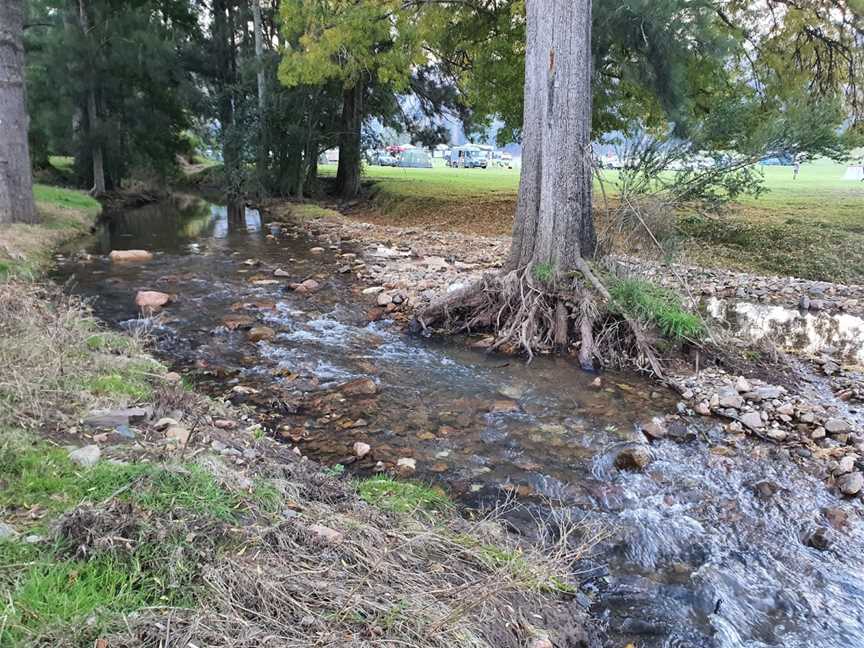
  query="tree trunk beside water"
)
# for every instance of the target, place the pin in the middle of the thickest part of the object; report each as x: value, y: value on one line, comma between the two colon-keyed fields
x: 16, y: 177
x: 348, y: 171
x: 93, y: 130
x: 554, y: 226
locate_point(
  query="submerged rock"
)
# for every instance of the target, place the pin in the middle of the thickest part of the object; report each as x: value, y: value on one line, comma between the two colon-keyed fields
x: 359, y: 387
x: 130, y: 256
x: 261, y: 333
x: 150, y: 301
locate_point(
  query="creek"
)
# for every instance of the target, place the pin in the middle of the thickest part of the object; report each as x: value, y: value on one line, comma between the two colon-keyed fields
x: 706, y: 545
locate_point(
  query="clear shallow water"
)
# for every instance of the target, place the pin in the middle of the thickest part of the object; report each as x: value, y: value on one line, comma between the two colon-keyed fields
x: 696, y: 556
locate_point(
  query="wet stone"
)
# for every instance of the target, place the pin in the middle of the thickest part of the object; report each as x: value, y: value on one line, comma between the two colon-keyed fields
x: 633, y: 458
x: 851, y: 483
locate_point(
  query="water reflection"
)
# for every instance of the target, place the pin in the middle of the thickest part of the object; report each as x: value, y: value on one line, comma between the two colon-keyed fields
x: 792, y: 329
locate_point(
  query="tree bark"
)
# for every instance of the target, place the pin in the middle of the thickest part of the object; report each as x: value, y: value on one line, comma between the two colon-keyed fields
x: 348, y: 171
x: 16, y: 176
x: 96, y: 154
x: 554, y: 225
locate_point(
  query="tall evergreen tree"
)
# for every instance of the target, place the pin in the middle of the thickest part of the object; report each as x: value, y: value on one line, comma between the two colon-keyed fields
x: 16, y: 181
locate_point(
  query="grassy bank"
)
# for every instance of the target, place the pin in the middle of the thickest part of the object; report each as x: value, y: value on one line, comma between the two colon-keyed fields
x: 200, y: 530
x: 811, y: 227
x: 25, y: 250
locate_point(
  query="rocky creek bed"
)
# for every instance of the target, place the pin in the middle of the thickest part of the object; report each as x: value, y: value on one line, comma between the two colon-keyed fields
x: 731, y: 504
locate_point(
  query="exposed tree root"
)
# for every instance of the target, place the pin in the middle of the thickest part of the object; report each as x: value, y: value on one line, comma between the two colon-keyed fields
x: 528, y: 315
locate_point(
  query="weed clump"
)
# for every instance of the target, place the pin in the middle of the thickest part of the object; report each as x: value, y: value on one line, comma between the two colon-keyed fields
x: 658, y: 306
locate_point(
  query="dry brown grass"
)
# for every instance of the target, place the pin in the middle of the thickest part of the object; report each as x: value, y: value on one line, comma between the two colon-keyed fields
x: 57, y: 360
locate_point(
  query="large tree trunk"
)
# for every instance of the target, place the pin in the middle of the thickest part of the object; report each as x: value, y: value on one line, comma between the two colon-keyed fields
x: 96, y: 154
x: 348, y: 172
x: 16, y: 177
x: 554, y: 226
x: 262, y: 152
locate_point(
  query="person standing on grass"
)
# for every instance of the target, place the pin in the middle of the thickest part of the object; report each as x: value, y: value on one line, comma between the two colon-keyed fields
x: 796, y: 169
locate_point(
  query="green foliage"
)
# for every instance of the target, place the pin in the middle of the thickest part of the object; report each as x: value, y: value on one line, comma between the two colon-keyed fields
x: 659, y: 306
x: 543, y: 272
x: 44, y: 477
x: 402, y: 496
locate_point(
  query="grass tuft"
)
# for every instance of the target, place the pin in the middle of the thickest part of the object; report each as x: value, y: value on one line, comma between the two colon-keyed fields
x: 659, y: 306
x: 402, y: 496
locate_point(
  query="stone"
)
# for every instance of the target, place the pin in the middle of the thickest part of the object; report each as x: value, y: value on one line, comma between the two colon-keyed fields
x: 836, y: 426
x: 851, y: 483
x: 703, y: 408
x: 845, y: 465
x: 359, y: 387
x: 310, y: 286
x: 86, y: 456
x: 234, y: 322
x: 7, y: 532
x: 818, y: 433
x: 326, y: 534
x: 752, y: 420
x: 224, y: 424
x: 383, y: 299
x: 151, y: 301
x: 818, y: 538
x: 178, y: 433
x: 765, y: 489
x: 742, y: 384
x: 172, y: 377
x: 261, y: 333
x: 130, y: 256
x: 373, y: 290
x: 729, y: 397
x: 115, y: 418
x: 504, y: 406
x: 836, y: 517
x: 279, y: 272
x: 361, y: 449
x: 316, y: 250
x: 406, y: 465
x: 655, y: 428
x: 633, y: 458
x: 777, y: 434
x: 164, y: 423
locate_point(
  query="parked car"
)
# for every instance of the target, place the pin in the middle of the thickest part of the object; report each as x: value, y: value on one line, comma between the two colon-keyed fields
x: 467, y: 157
x: 502, y: 160
x: 382, y: 158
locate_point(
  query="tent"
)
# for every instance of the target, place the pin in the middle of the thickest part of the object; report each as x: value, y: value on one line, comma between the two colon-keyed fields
x: 415, y: 158
x: 854, y: 173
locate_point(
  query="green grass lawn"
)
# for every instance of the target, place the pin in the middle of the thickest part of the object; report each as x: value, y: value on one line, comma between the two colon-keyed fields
x: 812, y: 227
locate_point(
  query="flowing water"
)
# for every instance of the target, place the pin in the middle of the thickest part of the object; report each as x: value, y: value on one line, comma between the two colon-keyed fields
x: 706, y: 546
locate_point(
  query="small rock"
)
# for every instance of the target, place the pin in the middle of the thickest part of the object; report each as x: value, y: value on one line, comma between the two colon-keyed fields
x: 836, y: 426
x: 130, y: 256
x: 178, y: 433
x: 703, y: 408
x: 325, y: 533
x: 383, y: 299
x: 172, y: 377
x: 851, y: 483
x: 504, y: 406
x: 224, y: 424
x: 818, y: 433
x: 597, y: 382
x: 836, y: 517
x: 742, y: 384
x: 87, y: 456
x: 279, y: 272
x: 752, y: 420
x: 308, y: 286
x: 373, y: 290
x: 729, y: 397
x: 633, y: 458
x: 361, y: 449
x: 777, y: 434
x: 406, y: 465
x: 316, y: 250
x: 765, y: 489
x: 845, y: 465
x: 655, y: 428
x: 261, y: 333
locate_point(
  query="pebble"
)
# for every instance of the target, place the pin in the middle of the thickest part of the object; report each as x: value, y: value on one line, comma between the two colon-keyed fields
x: 851, y: 483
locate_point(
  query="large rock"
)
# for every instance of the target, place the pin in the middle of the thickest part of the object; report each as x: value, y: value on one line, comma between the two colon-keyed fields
x: 87, y: 456
x: 260, y: 333
x: 633, y: 458
x: 130, y: 256
x: 851, y: 483
x: 151, y: 301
